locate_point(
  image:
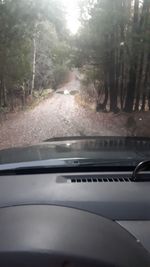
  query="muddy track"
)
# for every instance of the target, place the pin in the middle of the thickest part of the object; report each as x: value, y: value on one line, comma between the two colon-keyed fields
x: 56, y: 117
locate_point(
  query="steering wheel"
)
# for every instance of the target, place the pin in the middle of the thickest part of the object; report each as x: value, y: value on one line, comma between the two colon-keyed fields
x: 55, y: 236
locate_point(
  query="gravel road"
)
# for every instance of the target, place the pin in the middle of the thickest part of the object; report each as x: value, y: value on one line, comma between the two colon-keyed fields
x: 57, y: 116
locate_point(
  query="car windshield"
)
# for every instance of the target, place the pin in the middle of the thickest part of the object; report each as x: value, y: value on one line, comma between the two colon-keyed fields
x: 74, y: 68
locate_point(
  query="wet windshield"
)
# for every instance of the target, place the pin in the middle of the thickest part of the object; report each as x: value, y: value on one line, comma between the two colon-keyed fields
x: 73, y: 68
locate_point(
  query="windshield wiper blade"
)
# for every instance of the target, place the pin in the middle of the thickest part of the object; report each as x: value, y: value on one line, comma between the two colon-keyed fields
x: 42, y: 166
x: 106, y: 162
x: 23, y: 167
x: 63, y: 164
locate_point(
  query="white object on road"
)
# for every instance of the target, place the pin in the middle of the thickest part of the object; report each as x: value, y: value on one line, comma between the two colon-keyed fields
x: 66, y: 92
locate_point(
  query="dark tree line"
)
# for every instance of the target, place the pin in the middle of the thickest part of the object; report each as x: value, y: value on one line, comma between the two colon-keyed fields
x: 114, y: 44
x: 32, y: 41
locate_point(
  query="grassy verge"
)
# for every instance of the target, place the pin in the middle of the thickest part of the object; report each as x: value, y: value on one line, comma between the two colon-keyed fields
x: 31, y: 103
x: 38, y: 97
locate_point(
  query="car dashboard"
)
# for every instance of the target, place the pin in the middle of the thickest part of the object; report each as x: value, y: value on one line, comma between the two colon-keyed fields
x: 110, y: 195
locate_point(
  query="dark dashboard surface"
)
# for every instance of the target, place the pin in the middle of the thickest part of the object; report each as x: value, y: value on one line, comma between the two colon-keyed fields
x: 46, y: 235
x: 116, y: 200
x: 110, y: 195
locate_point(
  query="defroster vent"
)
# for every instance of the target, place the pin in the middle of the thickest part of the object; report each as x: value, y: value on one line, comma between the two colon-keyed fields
x: 95, y: 179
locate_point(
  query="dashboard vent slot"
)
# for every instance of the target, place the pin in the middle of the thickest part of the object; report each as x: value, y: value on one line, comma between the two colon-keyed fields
x: 96, y: 179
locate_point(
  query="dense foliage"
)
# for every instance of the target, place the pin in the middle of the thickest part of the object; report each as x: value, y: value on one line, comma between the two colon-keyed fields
x: 32, y: 41
x: 114, y: 48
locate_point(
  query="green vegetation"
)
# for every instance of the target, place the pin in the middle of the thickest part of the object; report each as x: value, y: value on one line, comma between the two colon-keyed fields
x: 32, y: 41
x: 114, y: 47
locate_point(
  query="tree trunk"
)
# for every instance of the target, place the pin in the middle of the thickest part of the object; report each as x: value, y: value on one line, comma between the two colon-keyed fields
x: 149, y: 98
x: 122, y: 87
x: 137, y: 103
x: 121, y: 68
x: 11, y: 99
x: 129, y: 103
x: 131, y: 86
x: 33, y: 65
x: 143, y: 24
x: 145, y: 84
x: 103, y: 106
x: 3, y: 95
x: 106, y: 95
x: 113, y: 93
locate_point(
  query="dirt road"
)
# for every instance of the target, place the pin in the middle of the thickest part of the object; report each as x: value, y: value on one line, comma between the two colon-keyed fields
x: 57, y: 116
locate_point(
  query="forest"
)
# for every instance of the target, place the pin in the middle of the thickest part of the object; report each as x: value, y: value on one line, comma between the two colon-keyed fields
x: 33, y: 48
x: 111, y: 50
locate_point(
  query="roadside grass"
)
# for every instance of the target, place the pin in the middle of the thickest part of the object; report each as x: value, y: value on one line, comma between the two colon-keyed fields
x: 31, y: 103
x: 38, y: 97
